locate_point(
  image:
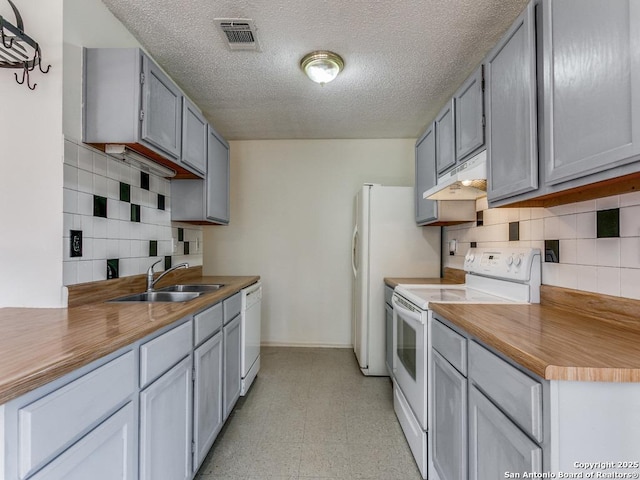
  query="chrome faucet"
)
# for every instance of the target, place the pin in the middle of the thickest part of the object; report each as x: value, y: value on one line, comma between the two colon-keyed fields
x: 151, y: 282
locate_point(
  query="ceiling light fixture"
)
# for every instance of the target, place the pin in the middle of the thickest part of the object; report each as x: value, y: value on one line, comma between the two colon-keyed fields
x: 322, y: 66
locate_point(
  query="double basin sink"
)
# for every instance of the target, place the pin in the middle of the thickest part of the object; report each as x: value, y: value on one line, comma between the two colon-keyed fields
x: 172, y: 293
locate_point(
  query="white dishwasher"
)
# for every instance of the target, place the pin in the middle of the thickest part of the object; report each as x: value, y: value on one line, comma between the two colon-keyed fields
x: 250, y: 334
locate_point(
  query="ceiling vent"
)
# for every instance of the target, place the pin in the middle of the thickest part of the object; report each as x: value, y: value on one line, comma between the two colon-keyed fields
x: 240, y: 33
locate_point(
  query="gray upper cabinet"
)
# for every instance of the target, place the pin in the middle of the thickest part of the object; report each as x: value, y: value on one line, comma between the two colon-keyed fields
x: 161, y: 113
x: 591, y: 86
x: 205, y: 201
x: 127, y: 99
x: 445, y: 138
x: 426, y: 210
x: 469, y: 116
x: 218, y: 179
x: 511, y: 111
x: 194, y: 137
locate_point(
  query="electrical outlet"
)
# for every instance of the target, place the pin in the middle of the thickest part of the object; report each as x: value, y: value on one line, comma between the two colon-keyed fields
x: 453, y: 245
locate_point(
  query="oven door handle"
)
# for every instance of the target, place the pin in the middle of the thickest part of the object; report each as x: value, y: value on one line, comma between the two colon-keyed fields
x: 406, y: 313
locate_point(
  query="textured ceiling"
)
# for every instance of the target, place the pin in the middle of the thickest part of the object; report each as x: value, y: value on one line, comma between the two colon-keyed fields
x: 403, y: 60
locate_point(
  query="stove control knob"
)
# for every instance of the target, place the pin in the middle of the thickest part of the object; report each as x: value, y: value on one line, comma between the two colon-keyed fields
x: 518, y: 261
x: 470, y: 257
x: 509, y: 260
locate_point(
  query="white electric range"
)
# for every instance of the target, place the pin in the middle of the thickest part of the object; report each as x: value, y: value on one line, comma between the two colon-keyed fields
x: 494, y: 276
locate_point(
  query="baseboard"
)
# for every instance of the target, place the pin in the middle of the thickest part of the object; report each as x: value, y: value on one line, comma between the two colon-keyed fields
x: 304, y: 345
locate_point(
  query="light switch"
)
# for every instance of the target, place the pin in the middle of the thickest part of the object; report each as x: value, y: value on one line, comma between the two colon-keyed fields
x: 174, y: 245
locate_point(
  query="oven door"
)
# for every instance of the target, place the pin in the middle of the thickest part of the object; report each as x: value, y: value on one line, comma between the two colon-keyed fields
x: 410, y: 355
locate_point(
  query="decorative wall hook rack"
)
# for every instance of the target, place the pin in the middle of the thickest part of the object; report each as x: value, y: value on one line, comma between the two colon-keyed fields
x: 19, y: 50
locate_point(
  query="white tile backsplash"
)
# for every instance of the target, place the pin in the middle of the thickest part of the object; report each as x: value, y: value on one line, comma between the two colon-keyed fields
x: 603, y: 265
x: 89, y: 172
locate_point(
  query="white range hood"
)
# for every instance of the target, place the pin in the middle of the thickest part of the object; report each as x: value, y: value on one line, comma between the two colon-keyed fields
x: 465, y: 182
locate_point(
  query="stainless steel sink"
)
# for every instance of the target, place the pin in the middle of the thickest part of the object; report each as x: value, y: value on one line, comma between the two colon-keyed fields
x: 200, y: 288
x: 158, y: 296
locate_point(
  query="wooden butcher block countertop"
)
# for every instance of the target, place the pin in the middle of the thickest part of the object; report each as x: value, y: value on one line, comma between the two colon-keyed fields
x: 570, y: 335
x: 38, y: 345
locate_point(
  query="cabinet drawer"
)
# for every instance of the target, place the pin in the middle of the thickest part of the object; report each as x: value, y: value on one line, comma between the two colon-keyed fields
x: 232, y: 307
x: 163, y: 352
x: 514, y: 392
x: 451, y: 345
x: 206, y: 323
x: 54, y: 421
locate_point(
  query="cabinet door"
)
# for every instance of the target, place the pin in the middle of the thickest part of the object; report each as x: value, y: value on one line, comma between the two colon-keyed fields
x: 165, y: 425
x: 161, y: 110
x: 510, y: 79
x: 445, y: 138
x: 591, y: 86
x: 449, y: 420
x: 217, y: 201
x: 469, y: 115
x: 194, y: 137
x: 496, y: 445
x: 109, y: 451
x: 207, y: 397
x: 426, y: 210
x: 231, y: 389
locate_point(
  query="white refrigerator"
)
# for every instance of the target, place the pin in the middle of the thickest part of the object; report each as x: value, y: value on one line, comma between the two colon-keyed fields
x: 385, y: 243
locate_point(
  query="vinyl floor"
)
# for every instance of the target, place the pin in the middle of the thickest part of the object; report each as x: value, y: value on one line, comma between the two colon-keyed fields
x: 311, y: 414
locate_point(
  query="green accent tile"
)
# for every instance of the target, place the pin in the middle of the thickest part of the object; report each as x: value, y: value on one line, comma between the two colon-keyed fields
x: 135, y: 212
x: 181, y: 234
x: 153, y: 248
x: 167, y: 262
x: 144, y: 180
x: 125, y: 192
x: 608, y: 223
x: 552, y: 251
x: 99, y: 206
x: 161, y: 202
x: 113, y: 265
x: 186, y: 248
x: 514, y: 231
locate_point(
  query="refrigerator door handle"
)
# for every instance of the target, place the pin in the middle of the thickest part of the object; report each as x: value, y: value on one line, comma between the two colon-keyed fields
x: 354, y: 246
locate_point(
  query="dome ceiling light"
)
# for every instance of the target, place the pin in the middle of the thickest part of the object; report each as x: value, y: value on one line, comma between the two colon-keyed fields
x: 322, y: 66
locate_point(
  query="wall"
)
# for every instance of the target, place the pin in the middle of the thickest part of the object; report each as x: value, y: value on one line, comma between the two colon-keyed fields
x: 89, y: 172
x: 291, y: 223
x: 31, y: 157
x: 604, y: 265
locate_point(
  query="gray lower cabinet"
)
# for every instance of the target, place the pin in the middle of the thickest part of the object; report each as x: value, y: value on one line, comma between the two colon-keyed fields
x: 496, y: 444
x: 449, y: 433
x: 107, y: 452
x: 426, y: 210
x: 207, y: 396
x: 205, y: 201
x: 232, y: 373
x: 165, y: 425
x: 445, y: 138
x: 469, y: 116
x: 511, y: 111
x: 591, y: 86
x: 194, y: 137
